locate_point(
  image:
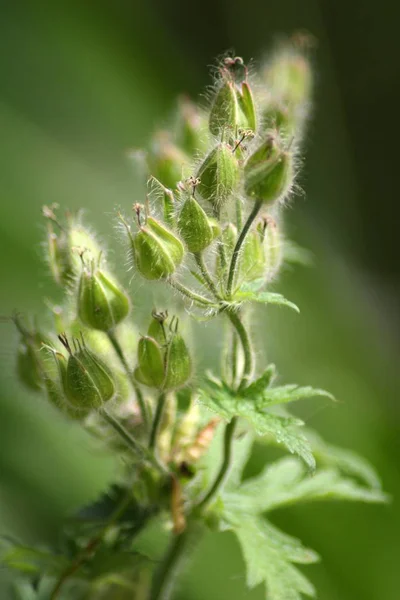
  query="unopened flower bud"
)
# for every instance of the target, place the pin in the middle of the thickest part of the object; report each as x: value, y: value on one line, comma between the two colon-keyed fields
x: 102, y: 304
x: 219, y: 175
x: 269, y: 172
x: 158, y: 252
x: 195, y: 227
x: 88, y: 382
x: 166, y: 162
x: 224, y: 114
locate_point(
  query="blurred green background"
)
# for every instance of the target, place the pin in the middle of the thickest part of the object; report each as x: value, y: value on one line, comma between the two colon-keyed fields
x: 82, y: 82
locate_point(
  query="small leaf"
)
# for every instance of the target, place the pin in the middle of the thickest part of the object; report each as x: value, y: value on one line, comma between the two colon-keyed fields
x: 285, y: 430
x: 32, y: 560
x: 269, y: 554
x: 289, y: 393
x: 286, y: 482
x: 261, y: 383
x: 244, y: 294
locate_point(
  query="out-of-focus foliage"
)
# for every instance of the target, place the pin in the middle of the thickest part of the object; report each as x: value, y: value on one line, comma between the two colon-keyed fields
x: 81, y: 84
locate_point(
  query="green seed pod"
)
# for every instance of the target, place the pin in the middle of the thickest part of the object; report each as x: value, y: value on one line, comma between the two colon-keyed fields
x: 88, y: 381
x: 59, y: 256
x: 289, y: 77
x: 150, y: 370
x: 219, y: 175
x: 252, y: 259
x: 273, y: 248
x: 224, y: 114
x: 101, y: 302
x: 30, y: 358
x: 158, y: 252
x: 228, y: 239
x: 65, y: 248
x: 163, y: 360
x: 194, y: 226
x: 178, y: 363
x: 28, y: 367
x: 166, y: 162
x: 192, y: 133
x: 247, y: 112
x: 269, y: 172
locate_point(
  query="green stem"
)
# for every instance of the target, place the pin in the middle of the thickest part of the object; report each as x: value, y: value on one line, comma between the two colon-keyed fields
x: 206, y: 275
x: 139, y: 396
x: 163, y: 579
x: 239, y: 244
x: 196, y: 298
x: 157, y: 420
x: 130, y: 441
x: 236, y: 321
x: 226, y: 464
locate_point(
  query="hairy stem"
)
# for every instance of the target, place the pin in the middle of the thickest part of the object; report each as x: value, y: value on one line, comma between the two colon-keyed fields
x: 239, y: 244
x: 130, y: 441
x: 196, y: 298
x: 139, y: 396
x: 157, y: 420
x: 163, y: 579
x: 206, y: 275
x: 241, y: 331
x: 226, y: 464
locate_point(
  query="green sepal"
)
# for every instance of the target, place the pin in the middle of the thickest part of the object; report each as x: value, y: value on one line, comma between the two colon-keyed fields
x: 268, y: 172
x: 194, y: 226
x: 219, y: 175
x: 224, y: 112
x: 158, y: 252
x: 247, y: 107
x: 102, y: 304
x: 88, y: 380
x: 178, y: 363
x: 150, y: 369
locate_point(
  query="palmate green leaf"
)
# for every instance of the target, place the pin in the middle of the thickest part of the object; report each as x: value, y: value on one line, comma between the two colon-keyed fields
x: 269, y: 555
x: 246, y: 295
x: 284, y: 429
x: 287, y: 482
x: 347, y: 461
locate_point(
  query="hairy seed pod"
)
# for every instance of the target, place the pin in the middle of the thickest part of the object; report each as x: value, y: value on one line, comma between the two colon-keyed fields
x: 166, y: 162
x: 194, y: 226
x: 163, y: 360
x: 224, y: 114
x: 192, y: 131
x: 158, y: 252
x: 269, y: 172
x: 178, y: 363
x: 102, y: 304
x: 30, y: 358
x: 219, y: 175
x: 150, y: 370
x: 252, y: 259
x: 88, y: 381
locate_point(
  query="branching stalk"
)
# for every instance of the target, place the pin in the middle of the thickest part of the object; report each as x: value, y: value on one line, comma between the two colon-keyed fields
x: 139, y: 396
x: 157, y: 420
